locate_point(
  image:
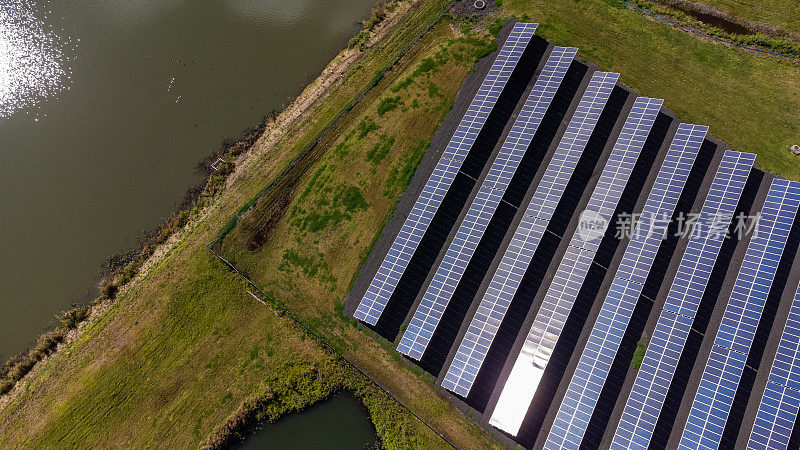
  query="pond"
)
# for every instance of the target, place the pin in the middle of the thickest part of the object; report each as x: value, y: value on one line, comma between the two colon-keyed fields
x: 106, y: 106
x: 340, y: 422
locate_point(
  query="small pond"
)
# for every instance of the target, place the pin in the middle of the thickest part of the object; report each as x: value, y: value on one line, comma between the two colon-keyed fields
x: 340, y: 422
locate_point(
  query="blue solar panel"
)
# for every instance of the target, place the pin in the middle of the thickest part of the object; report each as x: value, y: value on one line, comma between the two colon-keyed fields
x: 482, y: 329
x: 672, y: 329
x: 447, y: 276
x: 639, y: 418
x: 529, y: 366
x: 722, y: 374
x: 779, y: 405
x: 404, y: 246
x: 786, y: 367
x: 775, y: 419
x: 603, y: 344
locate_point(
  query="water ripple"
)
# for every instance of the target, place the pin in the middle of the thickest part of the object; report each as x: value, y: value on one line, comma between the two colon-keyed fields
x: 34, y: 58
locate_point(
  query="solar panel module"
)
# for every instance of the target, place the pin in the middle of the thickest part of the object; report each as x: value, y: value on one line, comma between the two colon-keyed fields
x: 777, y: 411
x: 482, y: 329
x: 440, y: 291
x: 586, y: 385
x: 721, y: 377
x: 654, y: 377
x: 521, y: 385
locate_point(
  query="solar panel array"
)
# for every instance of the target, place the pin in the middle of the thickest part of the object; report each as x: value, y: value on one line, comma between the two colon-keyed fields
x: 429, y: 312
x: 404, y: 246
x: 780, y: 403
x: 493, y: 306
x: 723, y: 372
x: 654, y: 377
x: 775, y: 419
x: 595, y: 363
x: 529, y: 366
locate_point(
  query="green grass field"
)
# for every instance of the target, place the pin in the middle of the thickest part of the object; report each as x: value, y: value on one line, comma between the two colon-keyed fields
x: 183, y: 349
x: 749, y: 101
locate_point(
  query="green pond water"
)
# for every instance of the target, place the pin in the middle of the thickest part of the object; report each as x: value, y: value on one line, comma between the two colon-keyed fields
x: 340, y: 422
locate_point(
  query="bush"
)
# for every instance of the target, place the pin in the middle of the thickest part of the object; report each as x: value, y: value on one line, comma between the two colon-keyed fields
x: 377, y: 16
x: 6, y: 386
x: 48, y: 342
x: 107, y: 288
x: 71, y: 318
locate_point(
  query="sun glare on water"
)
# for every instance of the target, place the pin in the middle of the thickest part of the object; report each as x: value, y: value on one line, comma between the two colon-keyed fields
x: 33, y: 58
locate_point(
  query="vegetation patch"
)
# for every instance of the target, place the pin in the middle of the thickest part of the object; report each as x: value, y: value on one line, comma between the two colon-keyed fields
x: 365, y: 127
x: 403, y: 170
x: 380, y: 149
x: 736, y: 33
x: 388, y: 104
x: 638, y: 354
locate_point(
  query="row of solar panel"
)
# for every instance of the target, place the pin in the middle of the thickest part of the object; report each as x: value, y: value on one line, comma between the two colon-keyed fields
x: 423, y: 211
x: 593, y: 368
x: 642, y: 409
x: 427, y: 316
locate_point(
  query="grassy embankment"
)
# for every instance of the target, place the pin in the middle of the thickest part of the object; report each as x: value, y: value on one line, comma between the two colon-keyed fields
x: 178, y: 354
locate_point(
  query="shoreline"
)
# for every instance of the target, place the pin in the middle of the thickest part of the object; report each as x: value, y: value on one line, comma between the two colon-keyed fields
x: 133, y: 265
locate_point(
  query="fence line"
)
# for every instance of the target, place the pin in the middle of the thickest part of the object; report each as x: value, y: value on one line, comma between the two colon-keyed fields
x: 325, y: 343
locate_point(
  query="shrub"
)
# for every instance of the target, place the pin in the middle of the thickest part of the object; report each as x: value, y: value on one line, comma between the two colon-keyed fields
x: 70, y: 318
x: 6, y: 386
x: 107, y: 288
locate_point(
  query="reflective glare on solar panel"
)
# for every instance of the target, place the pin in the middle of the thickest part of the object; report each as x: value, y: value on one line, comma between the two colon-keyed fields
x: 655, y: 375
x: 426, y: 318
x: 780, y: 403
x: 578, y: 405
x: 529, y: 366
x: 404, y: 246
x: 714, y: 398
x: 493, y: 306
